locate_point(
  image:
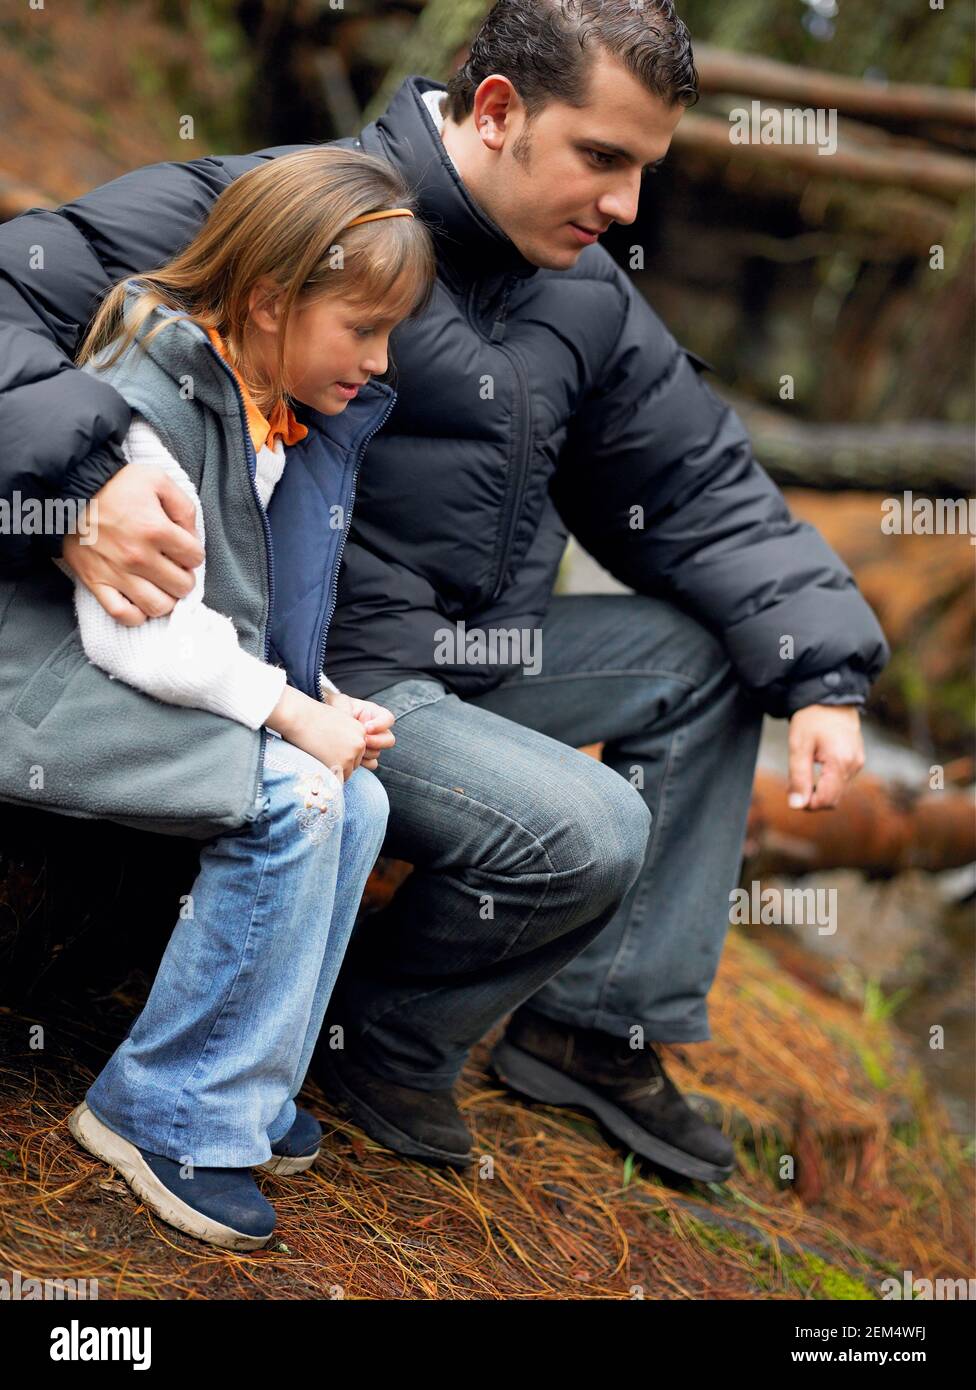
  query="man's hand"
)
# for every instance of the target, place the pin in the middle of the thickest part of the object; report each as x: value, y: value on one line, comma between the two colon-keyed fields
x: 144, y: 549
x: 376, y: 721
x: 829, y: 735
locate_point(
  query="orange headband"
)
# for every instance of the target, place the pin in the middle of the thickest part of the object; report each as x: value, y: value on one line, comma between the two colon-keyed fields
x: 375, y: 216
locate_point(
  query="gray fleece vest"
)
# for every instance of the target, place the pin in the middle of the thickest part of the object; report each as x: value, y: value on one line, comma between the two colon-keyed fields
x: 72, y: 739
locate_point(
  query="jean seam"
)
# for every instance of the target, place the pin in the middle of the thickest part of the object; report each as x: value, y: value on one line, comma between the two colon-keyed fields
x: 684, y: 677
x: 422, y: 994
x: 508, y: 820
x: 660, y: 819
x: 230, y: 990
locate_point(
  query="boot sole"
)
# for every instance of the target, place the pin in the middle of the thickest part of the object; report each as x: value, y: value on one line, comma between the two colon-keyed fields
x: 285, y: 1167
x: 526, y: 1074
x: 382, y: 1130
x: 126, y: 1159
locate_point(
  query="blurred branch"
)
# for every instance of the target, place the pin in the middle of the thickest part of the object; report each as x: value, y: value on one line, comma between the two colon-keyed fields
x: 337, y: 92
x: 947, y: 175
x: 925, y: 455
x: 442, y: 31
x: 721, y: 70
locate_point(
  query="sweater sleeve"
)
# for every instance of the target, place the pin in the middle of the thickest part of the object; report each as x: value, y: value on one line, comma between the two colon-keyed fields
x: 190, y: 656
x: 325, y: 684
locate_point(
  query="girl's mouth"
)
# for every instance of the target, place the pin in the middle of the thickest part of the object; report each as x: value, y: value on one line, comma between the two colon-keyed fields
x: 348, y: 390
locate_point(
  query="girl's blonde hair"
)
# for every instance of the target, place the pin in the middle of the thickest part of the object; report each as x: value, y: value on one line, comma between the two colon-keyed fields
x: 287, y: 219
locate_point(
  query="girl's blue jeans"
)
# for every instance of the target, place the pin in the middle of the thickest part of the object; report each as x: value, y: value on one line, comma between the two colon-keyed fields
x: 210, y: 1069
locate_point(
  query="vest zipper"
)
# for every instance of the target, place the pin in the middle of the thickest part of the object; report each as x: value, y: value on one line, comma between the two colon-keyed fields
x: 334, y: 588
x: 252, y: 464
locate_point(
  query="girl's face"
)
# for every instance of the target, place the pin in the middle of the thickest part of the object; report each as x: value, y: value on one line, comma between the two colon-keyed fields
x: 332, y: 347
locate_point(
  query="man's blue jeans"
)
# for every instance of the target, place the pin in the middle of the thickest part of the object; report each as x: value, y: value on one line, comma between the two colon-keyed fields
x: 212, y: 1064
x: 598, y: 890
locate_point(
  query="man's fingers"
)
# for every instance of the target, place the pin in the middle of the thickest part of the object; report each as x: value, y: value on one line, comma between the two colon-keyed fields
x: 801, y: 772
x: 160, y: 572
x: 830, y: 785
x: 154, y: 603
x: 176, y: 504
x: 117, y: 606
x: 181, y: 547
x: 179, y: 541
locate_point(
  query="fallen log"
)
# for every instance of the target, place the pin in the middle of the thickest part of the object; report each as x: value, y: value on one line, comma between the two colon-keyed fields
x: 949, y: 176
x: 722, y: 70
x: 878, y: 827
x: 926, y: 456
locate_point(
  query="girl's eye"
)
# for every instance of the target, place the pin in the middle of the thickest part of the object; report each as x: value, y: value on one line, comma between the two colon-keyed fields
x: 364, y: 332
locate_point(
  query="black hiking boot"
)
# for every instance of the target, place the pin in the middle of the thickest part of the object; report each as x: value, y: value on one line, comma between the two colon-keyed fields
x: 425, y: 1125
x: 626, y: 1089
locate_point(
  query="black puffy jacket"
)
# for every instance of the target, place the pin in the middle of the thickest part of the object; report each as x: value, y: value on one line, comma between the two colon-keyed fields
x: 530, y: 402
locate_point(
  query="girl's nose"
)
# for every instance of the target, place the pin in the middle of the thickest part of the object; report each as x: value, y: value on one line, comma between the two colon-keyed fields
x: 375, y: 365
x: 376, y: 362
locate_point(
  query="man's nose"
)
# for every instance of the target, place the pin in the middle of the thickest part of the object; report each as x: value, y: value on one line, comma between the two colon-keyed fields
x: 621, y: 202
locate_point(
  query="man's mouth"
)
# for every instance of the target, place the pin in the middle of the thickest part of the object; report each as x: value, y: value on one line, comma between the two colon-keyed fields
x: 587, y: 235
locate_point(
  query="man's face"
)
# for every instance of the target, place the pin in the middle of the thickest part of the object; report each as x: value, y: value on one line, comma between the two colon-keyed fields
x: 555, y: 183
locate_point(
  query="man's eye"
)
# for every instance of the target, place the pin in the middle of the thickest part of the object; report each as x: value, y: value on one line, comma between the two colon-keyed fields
x: 603, y: 159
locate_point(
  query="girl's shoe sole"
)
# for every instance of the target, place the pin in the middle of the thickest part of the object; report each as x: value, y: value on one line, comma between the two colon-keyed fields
x: 105, y: 1144
x: 284, y: 1167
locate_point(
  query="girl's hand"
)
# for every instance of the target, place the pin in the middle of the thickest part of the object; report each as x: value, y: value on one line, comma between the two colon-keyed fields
x: 375, y: 719
x: 330, y: 735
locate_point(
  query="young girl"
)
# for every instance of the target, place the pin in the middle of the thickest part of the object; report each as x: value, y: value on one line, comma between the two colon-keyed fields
x: 289, y: 292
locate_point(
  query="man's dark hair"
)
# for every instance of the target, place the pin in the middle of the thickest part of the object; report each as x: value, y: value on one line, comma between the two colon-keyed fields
x: 546, y: 49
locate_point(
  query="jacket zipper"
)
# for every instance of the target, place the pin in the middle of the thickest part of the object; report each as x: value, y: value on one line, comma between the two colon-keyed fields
x: 513, y: 495
x: 252, y: 465
x: 334, y: 587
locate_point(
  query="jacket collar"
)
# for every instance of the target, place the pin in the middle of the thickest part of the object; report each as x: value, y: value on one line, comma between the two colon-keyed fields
x: 185, y: 348
x: 464, y: 234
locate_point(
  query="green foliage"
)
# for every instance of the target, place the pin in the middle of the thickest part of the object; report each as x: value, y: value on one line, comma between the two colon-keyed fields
x: 876, y: 1007
x: 902, y: 40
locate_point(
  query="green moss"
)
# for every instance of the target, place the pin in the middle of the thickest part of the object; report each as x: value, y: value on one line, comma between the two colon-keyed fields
x: 821, y: 1280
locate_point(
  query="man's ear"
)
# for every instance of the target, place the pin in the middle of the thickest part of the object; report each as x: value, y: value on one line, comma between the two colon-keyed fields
x: 495, y: 103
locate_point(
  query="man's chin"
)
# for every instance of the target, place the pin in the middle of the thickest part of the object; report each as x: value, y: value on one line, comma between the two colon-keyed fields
x: 554, y: 257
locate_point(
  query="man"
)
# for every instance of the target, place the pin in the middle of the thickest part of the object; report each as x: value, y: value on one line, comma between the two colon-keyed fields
x: 539, y: 395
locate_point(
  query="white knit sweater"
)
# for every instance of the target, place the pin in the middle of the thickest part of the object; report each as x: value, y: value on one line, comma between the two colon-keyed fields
x: 191, y: 656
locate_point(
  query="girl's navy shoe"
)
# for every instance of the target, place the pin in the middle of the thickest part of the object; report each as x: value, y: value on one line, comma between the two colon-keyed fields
x: 298, y: 1149
x: 219, y: 1205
